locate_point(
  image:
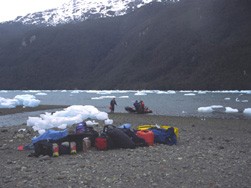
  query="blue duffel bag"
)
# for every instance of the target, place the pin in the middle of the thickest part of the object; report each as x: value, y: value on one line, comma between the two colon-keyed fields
x: 164, y: 136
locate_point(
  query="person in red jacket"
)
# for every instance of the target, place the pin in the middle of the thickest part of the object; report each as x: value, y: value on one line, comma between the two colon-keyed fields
x: 141, y: 107
x: 142, y: 104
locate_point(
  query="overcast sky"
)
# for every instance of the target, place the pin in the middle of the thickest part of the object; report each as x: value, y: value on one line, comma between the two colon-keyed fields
x: 10, y: 9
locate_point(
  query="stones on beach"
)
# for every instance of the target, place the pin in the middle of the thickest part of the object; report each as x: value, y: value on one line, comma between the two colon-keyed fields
x: 44, y: 158
x: 4, y: 130
x: 207, y: 155
x: 61, y: 176
x: 220, y: 147
x: 4, y: 147
x: 20, y: 136
x: 24, y: 169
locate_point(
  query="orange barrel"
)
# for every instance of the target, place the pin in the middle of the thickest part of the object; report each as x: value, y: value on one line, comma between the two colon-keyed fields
x: 147, y: 135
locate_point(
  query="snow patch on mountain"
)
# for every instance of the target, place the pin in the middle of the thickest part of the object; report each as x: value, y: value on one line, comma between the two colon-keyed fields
x: 78, y: 10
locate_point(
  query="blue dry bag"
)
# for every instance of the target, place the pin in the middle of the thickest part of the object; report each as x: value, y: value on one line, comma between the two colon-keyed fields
x: 164, y: 136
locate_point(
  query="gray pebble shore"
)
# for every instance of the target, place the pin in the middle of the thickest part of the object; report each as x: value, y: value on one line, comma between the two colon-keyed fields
x: 210, y: 153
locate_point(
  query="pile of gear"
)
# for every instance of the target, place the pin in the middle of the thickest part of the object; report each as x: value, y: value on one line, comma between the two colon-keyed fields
x: 56, y: 143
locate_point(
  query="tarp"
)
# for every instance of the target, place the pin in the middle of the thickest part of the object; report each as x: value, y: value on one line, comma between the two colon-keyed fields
x: 127, y: 126
x: 50, y: 135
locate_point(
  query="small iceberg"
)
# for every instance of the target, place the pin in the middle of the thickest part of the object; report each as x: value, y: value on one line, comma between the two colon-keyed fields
x: 205, y: 109
x: 140, y: 93
x: 247, y: 111
x: 190, y: 94
x: 231, y: 110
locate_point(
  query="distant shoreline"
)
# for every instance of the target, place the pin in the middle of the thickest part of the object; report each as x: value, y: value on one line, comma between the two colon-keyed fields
x: 20, y: 109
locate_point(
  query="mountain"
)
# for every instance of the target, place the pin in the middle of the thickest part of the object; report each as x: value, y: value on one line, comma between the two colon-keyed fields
x: 78, y: 10
x: 191, y: 44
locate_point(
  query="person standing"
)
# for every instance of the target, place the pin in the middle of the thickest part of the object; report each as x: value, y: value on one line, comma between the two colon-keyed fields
x: 112, y: 105
x: 142, y: 104
x: 136, y: 105
x: 141, y: 107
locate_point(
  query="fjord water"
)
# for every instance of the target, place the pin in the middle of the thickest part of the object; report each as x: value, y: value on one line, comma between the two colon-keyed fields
x: 179, y: 103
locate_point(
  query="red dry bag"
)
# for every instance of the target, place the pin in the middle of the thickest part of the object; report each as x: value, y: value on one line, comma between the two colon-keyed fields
x: 147, y: 135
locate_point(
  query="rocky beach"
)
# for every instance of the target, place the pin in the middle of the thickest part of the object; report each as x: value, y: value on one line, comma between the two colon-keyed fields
x: 209, y: 153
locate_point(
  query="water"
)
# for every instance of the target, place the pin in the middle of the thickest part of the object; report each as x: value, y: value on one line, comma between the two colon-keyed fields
x: 179, y: 104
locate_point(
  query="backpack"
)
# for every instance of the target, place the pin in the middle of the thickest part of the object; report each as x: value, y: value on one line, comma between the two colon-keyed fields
x: 136, y: 139
x: 104, y: 142
x: 43, y: 147
x: 93, y: 135
x: 107, y: 128
x: 80, y: 128
x: 120, y: 139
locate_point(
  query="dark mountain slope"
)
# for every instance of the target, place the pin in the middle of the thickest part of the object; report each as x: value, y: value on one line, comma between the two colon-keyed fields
x: 59, y: 56
x: 11, y: 30
x: 193, y: 44
x: 63, y: 56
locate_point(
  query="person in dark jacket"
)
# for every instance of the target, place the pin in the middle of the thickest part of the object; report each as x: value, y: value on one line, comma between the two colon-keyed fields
x: 112, y: 104
x: 141, y: 107
x: 136, y: 105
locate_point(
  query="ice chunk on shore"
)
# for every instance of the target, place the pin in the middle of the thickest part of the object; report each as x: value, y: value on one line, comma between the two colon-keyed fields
x: 247, y: 111
x: 8, y: 103
x: 205, y: 109
x: 67, y: 117
x: 217, y: 106
x: 109, y: 122
x: 31, y: 103
x: 25, y: 100
x: 231, y: 110
x: 90, y: 123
